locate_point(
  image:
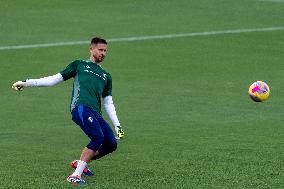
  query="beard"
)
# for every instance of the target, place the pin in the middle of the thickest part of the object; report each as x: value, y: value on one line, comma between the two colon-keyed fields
x: 98, y: 59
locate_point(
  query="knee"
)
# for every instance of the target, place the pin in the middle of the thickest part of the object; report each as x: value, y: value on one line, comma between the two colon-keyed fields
x: 112, y: 146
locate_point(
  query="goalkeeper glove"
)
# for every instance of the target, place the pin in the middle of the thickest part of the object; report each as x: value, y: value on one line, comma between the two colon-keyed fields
x: 19, y: 85
x: 119, y: 132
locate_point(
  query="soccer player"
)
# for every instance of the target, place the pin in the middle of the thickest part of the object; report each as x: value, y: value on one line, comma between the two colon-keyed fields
x: 91, y: 84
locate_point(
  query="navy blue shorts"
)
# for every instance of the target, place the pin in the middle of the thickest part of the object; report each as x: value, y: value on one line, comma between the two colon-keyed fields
x: 96, y: 128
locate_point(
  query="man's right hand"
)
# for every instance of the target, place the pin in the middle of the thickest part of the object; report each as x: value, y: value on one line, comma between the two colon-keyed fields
x: 19, y: 85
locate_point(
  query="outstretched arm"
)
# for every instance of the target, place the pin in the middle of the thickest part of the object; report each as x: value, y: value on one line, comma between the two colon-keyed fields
x: 110, y: 111
x: 41, y: 82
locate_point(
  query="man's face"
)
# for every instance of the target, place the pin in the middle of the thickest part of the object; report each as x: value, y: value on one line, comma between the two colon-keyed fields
x: 98, y: 52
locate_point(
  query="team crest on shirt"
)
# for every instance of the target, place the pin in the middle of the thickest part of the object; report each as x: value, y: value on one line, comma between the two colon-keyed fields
x: 90, y: 119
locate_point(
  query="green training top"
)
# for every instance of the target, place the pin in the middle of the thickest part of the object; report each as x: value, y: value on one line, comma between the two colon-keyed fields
x: 91, y: 83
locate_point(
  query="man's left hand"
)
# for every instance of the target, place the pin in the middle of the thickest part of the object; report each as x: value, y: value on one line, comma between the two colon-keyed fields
x: 119, y: 132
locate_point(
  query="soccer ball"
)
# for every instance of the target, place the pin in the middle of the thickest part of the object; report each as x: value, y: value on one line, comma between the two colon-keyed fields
x: 259, y: 91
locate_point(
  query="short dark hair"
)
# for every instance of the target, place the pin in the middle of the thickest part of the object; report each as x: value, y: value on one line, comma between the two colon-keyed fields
x: 97, y: 40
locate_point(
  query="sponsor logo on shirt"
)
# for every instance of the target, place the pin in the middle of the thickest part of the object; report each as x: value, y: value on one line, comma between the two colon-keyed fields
x: 90, y: 71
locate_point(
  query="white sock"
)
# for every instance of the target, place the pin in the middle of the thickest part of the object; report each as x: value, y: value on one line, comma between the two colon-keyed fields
x: 80, y: 167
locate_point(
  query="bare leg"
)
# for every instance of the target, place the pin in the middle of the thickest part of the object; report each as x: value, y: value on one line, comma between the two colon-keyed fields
x: 87, y: 155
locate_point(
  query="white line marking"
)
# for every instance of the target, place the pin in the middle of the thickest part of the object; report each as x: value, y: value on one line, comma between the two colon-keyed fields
x: 140, y: 38
x: 273, y: 1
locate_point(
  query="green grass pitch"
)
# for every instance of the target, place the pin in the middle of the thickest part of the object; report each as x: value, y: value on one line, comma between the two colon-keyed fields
x: 183, y: 102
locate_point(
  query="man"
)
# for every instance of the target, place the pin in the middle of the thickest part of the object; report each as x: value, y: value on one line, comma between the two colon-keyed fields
x: 91, y: 84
